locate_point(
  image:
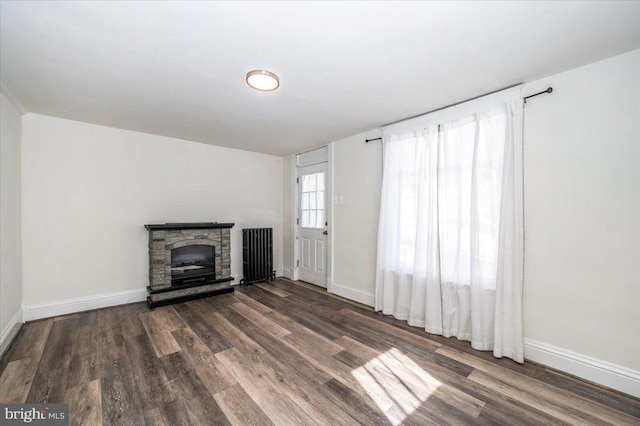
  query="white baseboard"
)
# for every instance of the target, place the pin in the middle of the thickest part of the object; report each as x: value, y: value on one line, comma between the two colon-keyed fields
x: 79, y: 304
x: 10, y: 331
x: 361, y: 296
x: 604, y: 373
x: 287, y: 273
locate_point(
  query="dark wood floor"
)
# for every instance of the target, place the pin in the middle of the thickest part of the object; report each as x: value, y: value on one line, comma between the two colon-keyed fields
x: 283, y: 353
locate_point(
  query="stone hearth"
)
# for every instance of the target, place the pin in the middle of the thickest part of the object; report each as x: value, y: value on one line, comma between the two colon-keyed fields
x: 166, y: 237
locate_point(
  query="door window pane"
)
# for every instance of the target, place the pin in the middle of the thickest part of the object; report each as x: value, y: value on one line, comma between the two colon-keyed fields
x: 312, y: 201
x: 309, y: 183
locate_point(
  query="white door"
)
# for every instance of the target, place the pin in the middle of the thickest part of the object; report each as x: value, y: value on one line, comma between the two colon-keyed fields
x: 312, y: 233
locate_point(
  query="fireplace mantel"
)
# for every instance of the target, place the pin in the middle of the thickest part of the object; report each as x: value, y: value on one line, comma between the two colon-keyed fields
x: 193, y: 225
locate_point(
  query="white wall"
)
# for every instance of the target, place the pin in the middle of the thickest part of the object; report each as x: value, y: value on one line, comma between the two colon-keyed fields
x: 10, y: 239
x: 88, y: 190
x: 357, y: 169
x: 288, y: 234
x: 582, y: 211
x: 582, y: 193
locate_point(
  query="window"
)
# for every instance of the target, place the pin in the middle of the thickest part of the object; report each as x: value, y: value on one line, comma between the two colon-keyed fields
x: 312, y: 203
x: 443, y: 196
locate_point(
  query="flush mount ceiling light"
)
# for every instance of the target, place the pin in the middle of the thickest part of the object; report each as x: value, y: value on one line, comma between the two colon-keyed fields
x: 263, y: 80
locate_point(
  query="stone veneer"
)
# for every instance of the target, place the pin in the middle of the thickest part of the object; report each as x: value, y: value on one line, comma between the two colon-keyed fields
x: 164, y: 238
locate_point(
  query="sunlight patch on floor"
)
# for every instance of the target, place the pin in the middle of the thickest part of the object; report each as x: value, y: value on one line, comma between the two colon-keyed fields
x: 396, y: 384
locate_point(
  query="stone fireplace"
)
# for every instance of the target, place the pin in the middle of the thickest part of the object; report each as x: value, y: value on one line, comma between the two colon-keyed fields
x: 188, y: 261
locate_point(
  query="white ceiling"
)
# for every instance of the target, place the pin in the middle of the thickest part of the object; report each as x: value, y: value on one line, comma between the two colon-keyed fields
x: 178, y: 68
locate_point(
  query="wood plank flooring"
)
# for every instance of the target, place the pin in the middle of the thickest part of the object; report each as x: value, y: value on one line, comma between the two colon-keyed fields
x: 283, y: 353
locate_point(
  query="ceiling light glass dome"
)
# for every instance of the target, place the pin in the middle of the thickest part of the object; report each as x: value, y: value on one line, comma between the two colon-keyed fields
x: 263, y: 80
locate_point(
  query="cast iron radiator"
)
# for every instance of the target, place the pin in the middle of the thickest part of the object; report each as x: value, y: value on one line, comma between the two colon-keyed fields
x: 257, y: 255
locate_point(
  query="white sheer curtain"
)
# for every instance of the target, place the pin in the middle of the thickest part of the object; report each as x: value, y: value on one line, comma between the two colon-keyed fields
x: 450, y: 238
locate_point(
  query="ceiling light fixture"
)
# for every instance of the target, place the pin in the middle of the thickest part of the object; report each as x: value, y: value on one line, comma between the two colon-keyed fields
x: 263, y: 80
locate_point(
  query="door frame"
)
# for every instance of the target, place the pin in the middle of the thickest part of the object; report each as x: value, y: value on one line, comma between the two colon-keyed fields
x: 295, y: 227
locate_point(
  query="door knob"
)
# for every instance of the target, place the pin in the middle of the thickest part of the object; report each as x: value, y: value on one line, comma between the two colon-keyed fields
x: 325, y: 232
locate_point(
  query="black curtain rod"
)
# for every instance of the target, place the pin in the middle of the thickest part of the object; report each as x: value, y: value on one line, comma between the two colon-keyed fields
x: 549, y: 90
x: 451, y: 105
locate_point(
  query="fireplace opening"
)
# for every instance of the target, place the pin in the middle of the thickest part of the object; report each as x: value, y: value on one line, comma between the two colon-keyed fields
x: 192, y: 264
